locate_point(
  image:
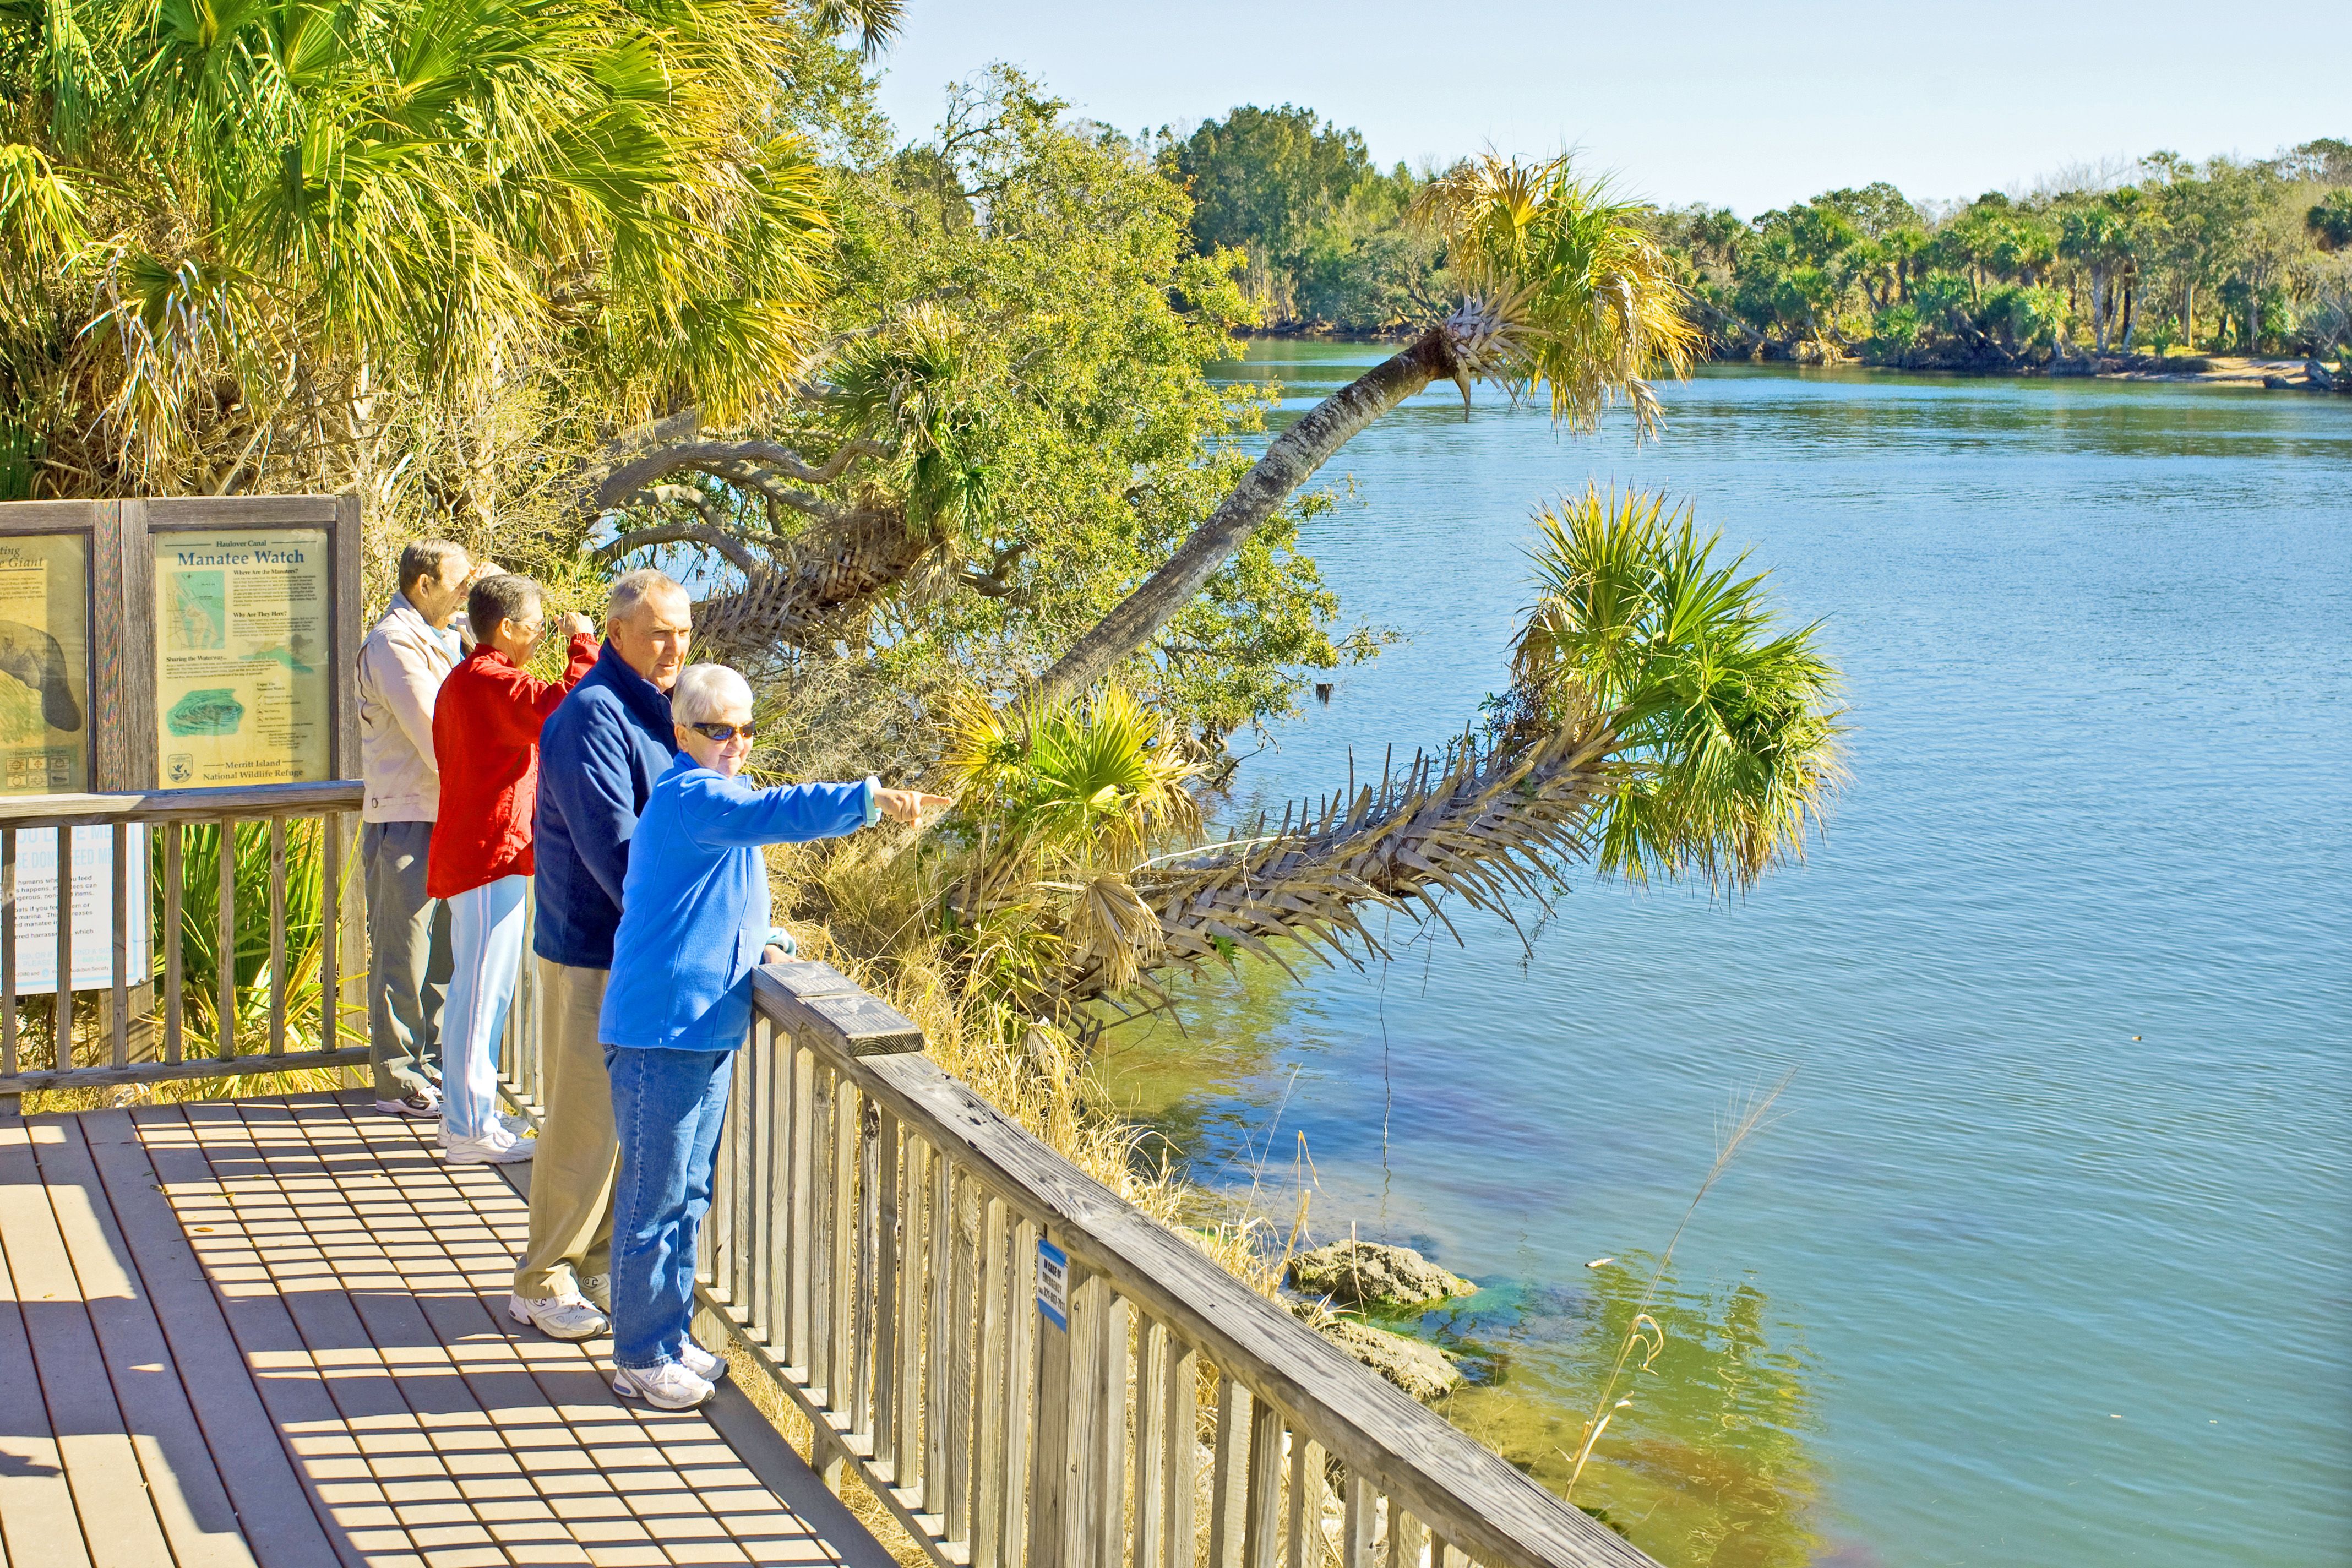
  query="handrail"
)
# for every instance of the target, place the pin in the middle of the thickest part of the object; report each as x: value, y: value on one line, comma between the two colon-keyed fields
x: 242, y: 801
x: 874, y: 1241
x: 142, y: 1011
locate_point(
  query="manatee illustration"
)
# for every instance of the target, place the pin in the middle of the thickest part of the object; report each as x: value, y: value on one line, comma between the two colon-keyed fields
x: 33, y: 657
x: 212, y: 712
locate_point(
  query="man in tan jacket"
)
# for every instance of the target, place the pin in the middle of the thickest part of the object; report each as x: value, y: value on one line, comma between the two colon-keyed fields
x: 408, y: 654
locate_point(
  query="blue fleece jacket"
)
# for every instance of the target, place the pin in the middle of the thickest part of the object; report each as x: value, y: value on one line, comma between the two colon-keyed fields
x: 695, y: 911
x: 599, y: 754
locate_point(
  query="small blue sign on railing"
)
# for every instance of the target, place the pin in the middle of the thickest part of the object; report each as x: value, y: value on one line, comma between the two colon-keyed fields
x: 1053, y: 1284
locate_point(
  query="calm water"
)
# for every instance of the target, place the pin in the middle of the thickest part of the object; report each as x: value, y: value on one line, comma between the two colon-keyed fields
x: 2047, y: 1259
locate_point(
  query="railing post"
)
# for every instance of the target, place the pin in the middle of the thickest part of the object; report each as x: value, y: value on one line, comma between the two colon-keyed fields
x: 1056, y: 1506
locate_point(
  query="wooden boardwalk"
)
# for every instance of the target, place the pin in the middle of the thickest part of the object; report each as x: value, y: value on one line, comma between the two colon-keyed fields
x: 273, y: 1331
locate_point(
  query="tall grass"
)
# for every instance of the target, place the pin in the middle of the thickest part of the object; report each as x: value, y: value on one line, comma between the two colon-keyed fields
x: 1645, y: 1334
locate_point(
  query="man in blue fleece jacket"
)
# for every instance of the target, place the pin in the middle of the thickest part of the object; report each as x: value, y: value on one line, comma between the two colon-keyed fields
x: 600, y: 753
x: 694, y: 925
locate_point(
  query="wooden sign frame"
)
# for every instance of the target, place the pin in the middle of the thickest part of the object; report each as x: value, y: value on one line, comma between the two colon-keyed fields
x: 122, y: 621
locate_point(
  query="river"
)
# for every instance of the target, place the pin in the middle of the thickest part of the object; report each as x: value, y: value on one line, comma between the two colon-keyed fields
x: 2047, y: 1256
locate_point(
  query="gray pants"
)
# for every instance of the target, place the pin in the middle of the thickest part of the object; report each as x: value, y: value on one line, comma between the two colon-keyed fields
x: 408, y: 959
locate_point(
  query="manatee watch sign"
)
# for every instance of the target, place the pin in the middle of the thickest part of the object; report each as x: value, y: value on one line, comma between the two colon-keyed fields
x: 242, y: 689
x: 44, y: 663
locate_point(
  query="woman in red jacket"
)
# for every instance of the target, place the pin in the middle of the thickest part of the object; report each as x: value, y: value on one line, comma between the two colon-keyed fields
x: 485, y: 737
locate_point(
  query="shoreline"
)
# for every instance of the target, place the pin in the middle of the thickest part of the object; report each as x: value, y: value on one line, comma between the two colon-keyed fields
x: 2256, y: 372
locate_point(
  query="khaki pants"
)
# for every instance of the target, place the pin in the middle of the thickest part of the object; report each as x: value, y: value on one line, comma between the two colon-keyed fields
x: 571, y: 1173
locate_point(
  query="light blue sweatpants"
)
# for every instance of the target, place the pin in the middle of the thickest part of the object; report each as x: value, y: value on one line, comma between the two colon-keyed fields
x: 485, y: 932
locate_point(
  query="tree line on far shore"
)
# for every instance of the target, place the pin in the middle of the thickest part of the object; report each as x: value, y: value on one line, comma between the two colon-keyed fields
x: 2229, y: 255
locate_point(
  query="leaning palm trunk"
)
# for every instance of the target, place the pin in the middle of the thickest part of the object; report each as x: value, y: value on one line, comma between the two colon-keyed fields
x: 1484, y: 822
x: 1567, y: 291
x: 1288, y: 463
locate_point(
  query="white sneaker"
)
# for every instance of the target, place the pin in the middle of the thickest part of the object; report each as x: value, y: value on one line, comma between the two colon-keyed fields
x: 512, y: 1126
x: 493, y: 1150
x: 565, y: 1317
x: 668, y: 1386
x: 703, y: 1364
x: 418, y: 1104
x: 598, y: 1287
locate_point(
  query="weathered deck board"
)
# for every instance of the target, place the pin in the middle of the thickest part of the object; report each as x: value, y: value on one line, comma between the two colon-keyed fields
x: 291, y: 1314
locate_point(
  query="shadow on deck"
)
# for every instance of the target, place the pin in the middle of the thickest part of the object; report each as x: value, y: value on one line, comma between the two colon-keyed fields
x: 273, y: 1331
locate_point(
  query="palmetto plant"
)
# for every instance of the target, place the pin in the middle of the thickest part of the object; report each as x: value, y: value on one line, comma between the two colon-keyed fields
x: 259, y: 227
x: 203, y: 951
x: 1062, y: 802
x: 1568, y: 294
x: 1724, y: 723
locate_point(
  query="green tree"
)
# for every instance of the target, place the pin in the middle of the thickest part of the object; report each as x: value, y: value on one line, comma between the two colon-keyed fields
x: 382, y: 244
x: 2329, y: 221
x: 1263, y: 182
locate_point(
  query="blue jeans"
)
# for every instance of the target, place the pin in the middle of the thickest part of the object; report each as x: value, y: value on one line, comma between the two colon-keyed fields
x: 485, y: 932
x: 666, y: 1111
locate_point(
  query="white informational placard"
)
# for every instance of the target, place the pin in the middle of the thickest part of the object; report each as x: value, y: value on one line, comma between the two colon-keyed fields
x: 93, y: 909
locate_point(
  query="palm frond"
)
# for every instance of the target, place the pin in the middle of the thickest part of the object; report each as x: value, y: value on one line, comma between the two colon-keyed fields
x: 1729, y: 723
x: 1567, y: 289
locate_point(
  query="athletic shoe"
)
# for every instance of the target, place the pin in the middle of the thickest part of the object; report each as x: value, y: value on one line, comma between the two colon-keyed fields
x: 419, y: 1104
x: 598, y: 1287
x: 500, y: 1148
x: 565, y: 1317
x: 668, y: 1386
x: 705, y: 1365
x: 512, y: 1126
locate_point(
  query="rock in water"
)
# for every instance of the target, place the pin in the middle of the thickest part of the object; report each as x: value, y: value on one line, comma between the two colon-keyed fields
x: 1367, y: 1274
x: 1421, y: 1370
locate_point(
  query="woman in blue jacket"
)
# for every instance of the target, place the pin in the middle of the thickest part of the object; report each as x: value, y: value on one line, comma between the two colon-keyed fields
x: 694, y: 923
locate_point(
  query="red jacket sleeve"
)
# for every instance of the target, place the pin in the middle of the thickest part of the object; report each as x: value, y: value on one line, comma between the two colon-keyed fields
x: 535, y: 699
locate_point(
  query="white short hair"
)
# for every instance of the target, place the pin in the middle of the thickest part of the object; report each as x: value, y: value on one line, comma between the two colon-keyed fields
x: 636, y: 588
x: 703, y: 689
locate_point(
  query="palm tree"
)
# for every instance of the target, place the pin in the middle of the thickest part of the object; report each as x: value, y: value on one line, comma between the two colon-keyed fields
x: 281, y: 223
x: 1565, y: 290
x: 1662, y: 721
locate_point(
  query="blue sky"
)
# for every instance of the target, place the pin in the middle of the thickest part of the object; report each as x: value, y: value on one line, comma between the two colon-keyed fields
x: 1746, y: 105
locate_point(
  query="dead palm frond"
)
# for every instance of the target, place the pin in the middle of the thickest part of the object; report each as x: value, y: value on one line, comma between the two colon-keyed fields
x: 1489, y: 822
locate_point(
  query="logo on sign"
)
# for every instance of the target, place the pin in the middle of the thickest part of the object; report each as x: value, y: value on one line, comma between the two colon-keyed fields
x: 1053, y: 1284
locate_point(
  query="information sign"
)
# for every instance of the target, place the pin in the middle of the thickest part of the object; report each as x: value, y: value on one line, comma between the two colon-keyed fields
x: 93, y: 909
x: 1053, y: 1284
x: 44, y: 663
x: 242, y: 683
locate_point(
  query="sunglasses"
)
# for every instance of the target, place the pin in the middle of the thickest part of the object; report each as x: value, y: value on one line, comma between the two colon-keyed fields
x: 722, y: 731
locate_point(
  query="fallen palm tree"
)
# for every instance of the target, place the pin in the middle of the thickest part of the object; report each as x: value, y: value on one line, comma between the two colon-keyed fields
x: 1486, y: 822
x: 1659, y: 722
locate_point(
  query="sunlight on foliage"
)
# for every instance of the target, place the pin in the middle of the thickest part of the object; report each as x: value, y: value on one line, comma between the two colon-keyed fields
x: 1729, y: 723
x: 1567, y: 289
x: 1063, y: 800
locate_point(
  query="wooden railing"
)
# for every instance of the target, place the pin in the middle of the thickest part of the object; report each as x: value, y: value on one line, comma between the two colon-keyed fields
x: 309, y: 1021
x: 1024, y: 1369
x: 874, y: 1238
